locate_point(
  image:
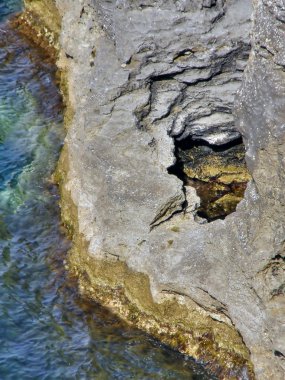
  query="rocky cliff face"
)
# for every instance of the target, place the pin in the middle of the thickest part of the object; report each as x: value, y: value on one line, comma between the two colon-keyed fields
x: 143, y: 77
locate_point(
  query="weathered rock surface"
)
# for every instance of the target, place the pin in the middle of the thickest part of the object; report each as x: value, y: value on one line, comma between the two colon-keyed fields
x: 142, y: 74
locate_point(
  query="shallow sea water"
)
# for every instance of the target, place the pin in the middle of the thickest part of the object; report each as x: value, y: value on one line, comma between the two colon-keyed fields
x: 46, y: 330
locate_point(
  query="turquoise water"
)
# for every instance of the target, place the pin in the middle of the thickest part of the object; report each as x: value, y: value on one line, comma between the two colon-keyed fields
x: 46, y: 330
x: 9, y: 6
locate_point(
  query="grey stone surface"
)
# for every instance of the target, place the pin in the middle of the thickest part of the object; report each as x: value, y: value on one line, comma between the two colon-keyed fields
x: 142, y: 73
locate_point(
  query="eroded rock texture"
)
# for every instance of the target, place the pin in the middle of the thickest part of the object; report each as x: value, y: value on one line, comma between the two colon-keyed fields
x: 143, y: 74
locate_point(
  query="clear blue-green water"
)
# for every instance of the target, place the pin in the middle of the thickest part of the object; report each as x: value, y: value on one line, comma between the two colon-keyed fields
x: 9, y: 6
x: 46, y: 330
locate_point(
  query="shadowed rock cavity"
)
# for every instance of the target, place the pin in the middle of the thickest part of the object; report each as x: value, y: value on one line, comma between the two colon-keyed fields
x: 217, y: 172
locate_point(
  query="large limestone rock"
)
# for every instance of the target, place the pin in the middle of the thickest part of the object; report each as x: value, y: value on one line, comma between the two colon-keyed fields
x: 142, y: 74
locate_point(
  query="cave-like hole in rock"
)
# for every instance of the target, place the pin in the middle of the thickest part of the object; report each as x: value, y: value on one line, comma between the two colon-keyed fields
x: 217, y: 172
x: 279, y: 354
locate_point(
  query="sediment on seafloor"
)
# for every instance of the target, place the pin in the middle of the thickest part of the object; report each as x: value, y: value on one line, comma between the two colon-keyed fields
x: 134, y: 89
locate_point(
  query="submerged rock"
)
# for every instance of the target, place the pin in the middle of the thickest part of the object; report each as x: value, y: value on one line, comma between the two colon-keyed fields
x: 142, y: 76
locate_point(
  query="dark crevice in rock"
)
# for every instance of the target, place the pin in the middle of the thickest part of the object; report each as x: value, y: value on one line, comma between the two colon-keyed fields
x: 182, y: 54
x: 217, y: 172
x: 264, y: 47
x: 69, y: 56
x: 216, y: 307
x: 273, y: 264
x: 279, y: 354
x: 169, y: 76
x: 277, y: 258
x: 82, y: 12
x: 191, y: 142
x: 209, y: 3
x: 168, y: 212
x: 280, y: 291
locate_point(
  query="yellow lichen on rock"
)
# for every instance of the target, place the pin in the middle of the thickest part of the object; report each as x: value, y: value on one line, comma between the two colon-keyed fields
x: 214, y: 169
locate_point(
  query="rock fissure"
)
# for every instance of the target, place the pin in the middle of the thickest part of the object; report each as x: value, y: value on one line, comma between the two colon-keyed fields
x: 168, y: 212
x: 217, y: 310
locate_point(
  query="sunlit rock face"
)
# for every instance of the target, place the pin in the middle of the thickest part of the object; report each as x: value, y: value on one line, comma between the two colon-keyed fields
x: 144, y: 76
